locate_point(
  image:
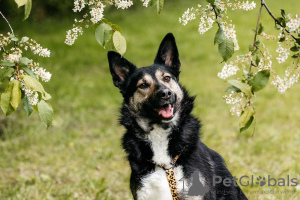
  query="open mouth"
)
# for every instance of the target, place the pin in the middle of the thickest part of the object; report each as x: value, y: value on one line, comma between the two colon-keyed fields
x: 166, y: 111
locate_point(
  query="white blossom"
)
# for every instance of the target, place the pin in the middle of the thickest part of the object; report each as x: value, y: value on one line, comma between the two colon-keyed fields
x: 97, y: 14
x: 206, y: 23
x: 123, y: 4
x: 72, y: 35
x: 237, y: 100
x: 285, y: 83
x: 227, y: 71
x: 187, y: 16
x: 145, y: 2
x: 78, y: 5
x: 247, y: 6
x: 293, y: 24
x: 283, y: 53
x: 40, y: 72
x: 14, y: 57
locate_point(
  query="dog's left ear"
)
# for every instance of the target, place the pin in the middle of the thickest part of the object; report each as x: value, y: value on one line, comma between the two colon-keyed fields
x: 168, y: 53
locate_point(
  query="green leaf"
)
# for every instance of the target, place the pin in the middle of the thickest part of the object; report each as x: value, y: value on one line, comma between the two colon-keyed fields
x: 226, y: 48
x: 28, y: 71
x: 260, y: 29
x: 242, y: 86
x: 248, y: 124
x: 7, y: 63
x: 160, y: 5
x: 20, y: 2
x: 13, y: 38
x: 6, y: 72
x: 233, y: 89
x: 246, y: 116
x: 260, y: 80
x: 119, y: 42
x: 109, y: 45
x: 15, y: 94
x: 45, y: 112
x: 25, y: 60
x: 219, y: 37
x: 295, y: 55
x: 28, y: 6
x: 27, y: 106
x: 5, y: 100
x: 257, y: 60
x: 295, y: 48
x: 116, y: 28
x: 283, y: 13
x: 32, y: 83
x: 103, y: 34
x: 152, y: 3
x: 211, y: 1
x: 24, y: 39
x: 35, y: 85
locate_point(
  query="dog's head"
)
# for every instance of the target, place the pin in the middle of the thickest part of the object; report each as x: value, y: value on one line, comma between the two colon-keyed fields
x: 153, y: 91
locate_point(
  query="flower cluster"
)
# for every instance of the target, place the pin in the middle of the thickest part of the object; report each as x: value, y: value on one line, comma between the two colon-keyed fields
x: 145, y: 2
x: 205, y: 24
x: 247, y: 6
x: 187, y: 16
x: 14, y: 56
x: 283, y: 53
x: 238, y: 102
x: 72, y: 35
x: 282, y: 84
x: 124, y: 4
x: 241, y: 5
x: 30, y: 94
x: 227, y: 71
x: 78, y: 5
x: 293, y: 24
x: 268, y: 37
x: 97, y: 14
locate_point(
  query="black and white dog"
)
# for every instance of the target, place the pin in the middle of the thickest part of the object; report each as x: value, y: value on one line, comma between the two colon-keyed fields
x: 162, y: 138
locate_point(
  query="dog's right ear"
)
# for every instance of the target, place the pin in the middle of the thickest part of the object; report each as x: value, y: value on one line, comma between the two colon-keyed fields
x: 120, y: 69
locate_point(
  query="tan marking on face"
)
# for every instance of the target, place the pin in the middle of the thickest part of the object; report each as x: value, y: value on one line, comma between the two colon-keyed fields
x: 141, y: 95
x: 172, y: 84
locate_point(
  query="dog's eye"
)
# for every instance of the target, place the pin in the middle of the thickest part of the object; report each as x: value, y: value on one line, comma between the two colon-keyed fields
x: 143, y: 86
x: 167, y: 78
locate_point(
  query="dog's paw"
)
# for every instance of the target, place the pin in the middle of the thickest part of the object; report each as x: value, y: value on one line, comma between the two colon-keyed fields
x: 261, y: 181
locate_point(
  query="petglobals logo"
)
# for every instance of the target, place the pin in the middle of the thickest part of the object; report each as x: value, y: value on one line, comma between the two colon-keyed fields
x: 259, y: 180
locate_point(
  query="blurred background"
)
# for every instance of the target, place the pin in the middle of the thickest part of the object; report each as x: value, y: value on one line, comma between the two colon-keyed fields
x: 80, y: 156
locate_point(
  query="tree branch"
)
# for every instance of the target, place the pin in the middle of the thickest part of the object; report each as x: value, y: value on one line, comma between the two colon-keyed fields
x: 12, y: 31
x: 271, y: 14
x: 255, y: 36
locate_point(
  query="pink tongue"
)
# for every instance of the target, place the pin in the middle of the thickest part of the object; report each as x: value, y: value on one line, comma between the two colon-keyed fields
x: 167, y: 111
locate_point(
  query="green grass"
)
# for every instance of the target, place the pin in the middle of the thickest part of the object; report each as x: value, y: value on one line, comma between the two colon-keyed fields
x: 80, y: 156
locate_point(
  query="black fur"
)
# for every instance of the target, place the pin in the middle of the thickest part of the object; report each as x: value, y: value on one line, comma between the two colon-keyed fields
x: 184, y: 135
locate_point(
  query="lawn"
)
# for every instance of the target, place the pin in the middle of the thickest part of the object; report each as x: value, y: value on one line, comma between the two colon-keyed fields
x: 80, y: 156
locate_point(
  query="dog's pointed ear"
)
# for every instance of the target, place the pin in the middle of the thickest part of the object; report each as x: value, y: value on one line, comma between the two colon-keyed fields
x: 120, y: 69
x: 168, y: 53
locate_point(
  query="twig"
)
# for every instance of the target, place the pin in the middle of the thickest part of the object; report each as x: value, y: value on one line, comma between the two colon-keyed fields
x: 271, y: 14
x: 255, y: 36
x: 12, y: 31
x: 216, y: 16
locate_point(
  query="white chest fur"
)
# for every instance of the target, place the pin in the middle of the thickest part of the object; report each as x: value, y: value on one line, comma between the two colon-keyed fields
x: 155, y: 185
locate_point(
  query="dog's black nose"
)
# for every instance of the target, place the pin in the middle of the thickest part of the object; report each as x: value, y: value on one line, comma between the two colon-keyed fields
x: 165, y: 94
